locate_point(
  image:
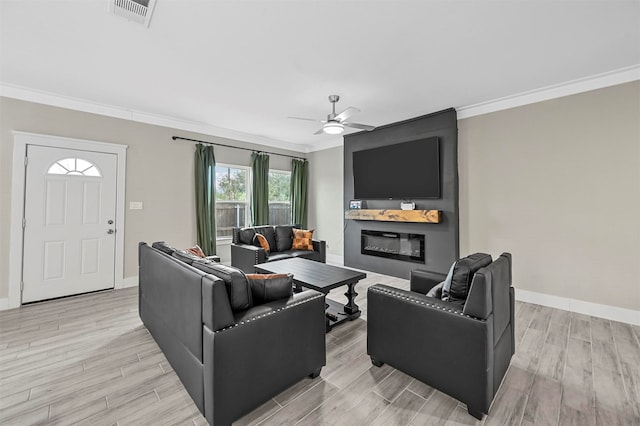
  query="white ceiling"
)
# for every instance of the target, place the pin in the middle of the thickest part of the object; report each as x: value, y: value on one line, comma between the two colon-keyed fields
x: 248, y: 65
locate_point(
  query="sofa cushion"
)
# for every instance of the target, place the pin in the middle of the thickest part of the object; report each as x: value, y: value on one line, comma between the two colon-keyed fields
x: 462, y: 276
x: 279, y: 256
x: 307, y: 254
x: 302, y: 239
x: 269, y: 234
x: 284, y: 237
x: 235, y: 280
x: 185, y: 256
x: 260, y: 240
x: 245, y: 235
x: 269, y: 287
x: 163, y: 247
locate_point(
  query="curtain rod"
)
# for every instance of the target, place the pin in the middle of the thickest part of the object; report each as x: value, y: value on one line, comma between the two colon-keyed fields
x: 236, y: 147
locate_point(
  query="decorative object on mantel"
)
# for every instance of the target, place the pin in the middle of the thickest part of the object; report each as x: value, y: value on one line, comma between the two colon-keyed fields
x: 421, y: 216
x: 356, y: 204
x: 407, y: 205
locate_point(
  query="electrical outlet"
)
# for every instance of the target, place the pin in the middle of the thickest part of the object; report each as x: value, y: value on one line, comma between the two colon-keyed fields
x: 135, y: 205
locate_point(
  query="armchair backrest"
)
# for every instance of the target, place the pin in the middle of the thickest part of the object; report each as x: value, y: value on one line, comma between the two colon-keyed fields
x: 489, y: 294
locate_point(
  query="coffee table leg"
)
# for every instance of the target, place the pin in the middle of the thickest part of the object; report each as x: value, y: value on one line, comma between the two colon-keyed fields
x: 351, y: 307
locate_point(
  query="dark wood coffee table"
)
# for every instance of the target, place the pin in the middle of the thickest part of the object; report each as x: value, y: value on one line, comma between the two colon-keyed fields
x: 323, y: 278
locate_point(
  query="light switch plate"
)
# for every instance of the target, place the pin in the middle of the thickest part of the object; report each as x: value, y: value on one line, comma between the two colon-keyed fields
x: 135, y: 205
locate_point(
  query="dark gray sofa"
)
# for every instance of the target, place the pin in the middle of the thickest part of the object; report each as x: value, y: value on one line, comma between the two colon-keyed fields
x: 245, y: 253
x: 231, y: 355
x: 462, y: 347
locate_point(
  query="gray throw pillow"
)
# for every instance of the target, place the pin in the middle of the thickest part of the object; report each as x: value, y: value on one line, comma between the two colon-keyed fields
x: 446, y: 284
x: 436, y: 291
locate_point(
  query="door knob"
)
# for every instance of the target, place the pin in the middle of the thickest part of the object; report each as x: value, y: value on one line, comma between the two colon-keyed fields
x: 110, y: 231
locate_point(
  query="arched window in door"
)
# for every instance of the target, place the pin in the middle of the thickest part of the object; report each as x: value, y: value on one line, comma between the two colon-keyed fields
x: 74, y: 166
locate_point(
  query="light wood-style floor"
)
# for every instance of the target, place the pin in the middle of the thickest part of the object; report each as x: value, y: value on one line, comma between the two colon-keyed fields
x: 89, y: 360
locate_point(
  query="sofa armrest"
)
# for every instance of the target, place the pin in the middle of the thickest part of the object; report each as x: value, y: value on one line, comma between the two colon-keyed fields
x: 244, y: 256
x: 422, y: 281
x: 268, y: 349
x: 321, y: 247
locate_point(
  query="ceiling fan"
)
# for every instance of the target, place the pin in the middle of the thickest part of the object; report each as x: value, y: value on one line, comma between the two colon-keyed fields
x: 335, y: 123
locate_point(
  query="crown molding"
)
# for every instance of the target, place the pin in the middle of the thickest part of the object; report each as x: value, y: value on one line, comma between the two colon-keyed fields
x: 598, y: 81
x: 83, y: 105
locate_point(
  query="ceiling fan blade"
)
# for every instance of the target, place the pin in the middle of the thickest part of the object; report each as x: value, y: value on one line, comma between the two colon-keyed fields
x: 346, y: 113
x: 319, y: 132
x: 307, y: 119
x: 358, y: 125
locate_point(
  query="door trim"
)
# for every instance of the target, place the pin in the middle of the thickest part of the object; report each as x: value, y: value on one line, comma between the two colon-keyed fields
x: 18, y: 176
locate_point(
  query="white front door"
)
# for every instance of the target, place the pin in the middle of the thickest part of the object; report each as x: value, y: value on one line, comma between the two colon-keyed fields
x: 70, y: 213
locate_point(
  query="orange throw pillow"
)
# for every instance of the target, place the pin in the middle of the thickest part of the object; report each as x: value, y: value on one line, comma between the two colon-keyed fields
x: 302, y: 239
x: 262, y: 240
x: 196, y: 250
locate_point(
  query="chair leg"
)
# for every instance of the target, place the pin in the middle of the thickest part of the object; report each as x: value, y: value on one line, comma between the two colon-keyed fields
x: 475, y: 413
x: 315, y: 373
x: 376, y: 362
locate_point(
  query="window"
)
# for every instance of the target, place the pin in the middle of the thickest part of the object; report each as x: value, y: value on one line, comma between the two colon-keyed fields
x: 279, y: 197
x: 232, y: 199
x: 74, y: 166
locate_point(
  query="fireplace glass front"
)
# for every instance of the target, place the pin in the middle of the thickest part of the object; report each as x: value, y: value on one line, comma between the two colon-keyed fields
x: 393, y: 245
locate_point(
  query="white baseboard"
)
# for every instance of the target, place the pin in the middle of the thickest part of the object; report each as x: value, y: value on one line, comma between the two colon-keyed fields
x: 580, y: 306
x: 130, y: 282
x: 4, y: 303
x: 335, y: 259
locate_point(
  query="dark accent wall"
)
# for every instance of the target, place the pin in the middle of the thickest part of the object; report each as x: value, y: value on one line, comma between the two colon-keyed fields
x: 442, y: 242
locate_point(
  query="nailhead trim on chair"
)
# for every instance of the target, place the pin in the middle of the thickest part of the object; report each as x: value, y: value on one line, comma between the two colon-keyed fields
x: 399, y: 295
x: 269, y: 313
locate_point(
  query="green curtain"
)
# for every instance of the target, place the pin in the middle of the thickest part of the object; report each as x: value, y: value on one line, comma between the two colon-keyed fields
x: 260, y: 189
x: 299, y: 179
x: 205, y: 168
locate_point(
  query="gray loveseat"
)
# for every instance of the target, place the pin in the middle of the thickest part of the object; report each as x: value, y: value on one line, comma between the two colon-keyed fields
x: 245, y: 252
x: 231, y: 351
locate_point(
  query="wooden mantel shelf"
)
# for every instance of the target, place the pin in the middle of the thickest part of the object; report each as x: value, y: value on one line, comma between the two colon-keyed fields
x: 422, y: 216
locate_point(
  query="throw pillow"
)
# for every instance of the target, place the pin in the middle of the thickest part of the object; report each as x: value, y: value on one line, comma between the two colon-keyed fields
x: 185, y: 256
x: 302, y: 239
x: 446, y: 284
x: 269, y: 287
x: 436, y: 291
x: 463, y: 274
x: 260, y: 240
x: 197, y: 251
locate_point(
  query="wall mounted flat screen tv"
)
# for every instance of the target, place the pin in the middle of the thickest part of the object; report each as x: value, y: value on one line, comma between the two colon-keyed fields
x: 405, y: 170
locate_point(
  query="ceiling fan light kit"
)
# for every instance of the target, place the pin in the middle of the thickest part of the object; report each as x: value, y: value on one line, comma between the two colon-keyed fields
x: 333, y: 128
x: 335, y: 123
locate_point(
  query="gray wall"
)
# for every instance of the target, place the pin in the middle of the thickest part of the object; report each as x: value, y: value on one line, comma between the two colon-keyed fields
x: 557, y: 183
x: 441, y: 239
x: 159, y: 172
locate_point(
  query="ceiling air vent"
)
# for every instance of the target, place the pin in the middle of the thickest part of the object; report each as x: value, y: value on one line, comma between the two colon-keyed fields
x: 134, y: 10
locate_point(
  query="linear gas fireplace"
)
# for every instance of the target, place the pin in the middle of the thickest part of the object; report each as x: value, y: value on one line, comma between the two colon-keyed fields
x: 393, y: 245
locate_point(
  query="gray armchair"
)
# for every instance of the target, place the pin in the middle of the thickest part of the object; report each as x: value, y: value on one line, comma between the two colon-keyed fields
x: 462, y: 347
